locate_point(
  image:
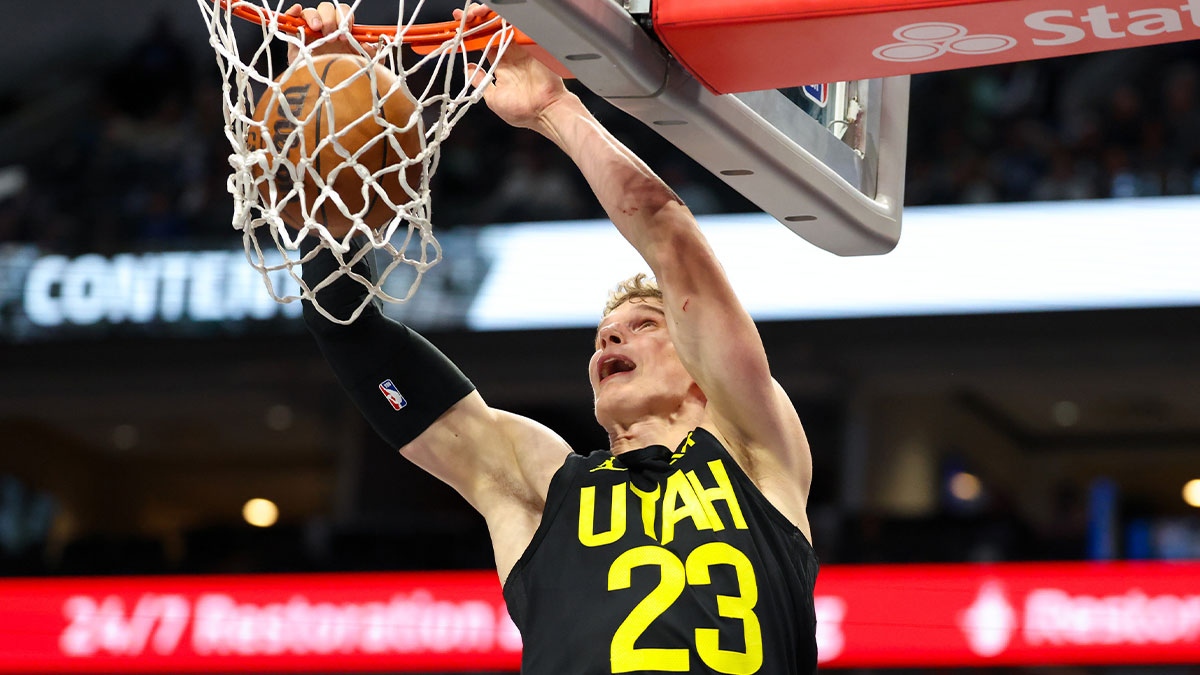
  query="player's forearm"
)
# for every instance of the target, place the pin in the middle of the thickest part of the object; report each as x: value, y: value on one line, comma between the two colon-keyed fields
x: 400, y: 382
x: 644, y: 208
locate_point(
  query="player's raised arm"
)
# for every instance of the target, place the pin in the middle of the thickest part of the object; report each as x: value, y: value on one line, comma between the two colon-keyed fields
x: 714, y: 335
x: 418, y: 401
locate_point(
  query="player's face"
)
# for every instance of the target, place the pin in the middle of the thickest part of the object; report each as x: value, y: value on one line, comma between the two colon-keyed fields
x: 635, y: 370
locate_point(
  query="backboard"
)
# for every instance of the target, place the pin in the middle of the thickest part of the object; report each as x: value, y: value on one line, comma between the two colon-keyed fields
x: 825, y: 159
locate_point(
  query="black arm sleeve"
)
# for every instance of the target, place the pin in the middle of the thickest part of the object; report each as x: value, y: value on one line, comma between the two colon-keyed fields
x: 400, y: 382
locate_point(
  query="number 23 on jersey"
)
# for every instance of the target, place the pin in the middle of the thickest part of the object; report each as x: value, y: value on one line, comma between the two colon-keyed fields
x: 675, y: 576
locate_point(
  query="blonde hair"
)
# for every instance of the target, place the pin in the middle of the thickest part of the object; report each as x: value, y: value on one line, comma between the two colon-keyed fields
x: 639, y: 285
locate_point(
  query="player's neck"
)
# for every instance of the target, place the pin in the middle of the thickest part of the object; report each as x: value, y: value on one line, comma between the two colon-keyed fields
x: 654, y: 430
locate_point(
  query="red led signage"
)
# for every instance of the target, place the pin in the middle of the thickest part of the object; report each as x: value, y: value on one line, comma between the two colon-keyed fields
x: 868, y: 616
x: 1012, y: 614
x: 297, y: 623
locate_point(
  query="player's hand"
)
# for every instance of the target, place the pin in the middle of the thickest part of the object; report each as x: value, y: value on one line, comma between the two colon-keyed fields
x: 322, y: 20
x: 475, y: 12
x: 522, y: 88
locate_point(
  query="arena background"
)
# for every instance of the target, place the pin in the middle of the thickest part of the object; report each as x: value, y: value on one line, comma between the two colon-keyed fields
x: 132, y: 436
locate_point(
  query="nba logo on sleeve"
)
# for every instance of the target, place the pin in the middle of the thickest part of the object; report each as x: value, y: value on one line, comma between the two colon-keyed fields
x: 392, y: 394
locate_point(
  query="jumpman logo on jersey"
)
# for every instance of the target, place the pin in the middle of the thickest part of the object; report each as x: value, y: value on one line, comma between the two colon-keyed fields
x: 683, y: 448
x: 609, y: 464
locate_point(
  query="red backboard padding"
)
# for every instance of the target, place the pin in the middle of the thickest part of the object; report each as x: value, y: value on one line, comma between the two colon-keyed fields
x: 750, y: 45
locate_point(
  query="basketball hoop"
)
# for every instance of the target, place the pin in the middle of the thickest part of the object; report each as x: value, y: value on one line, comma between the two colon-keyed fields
x: 293, y: 155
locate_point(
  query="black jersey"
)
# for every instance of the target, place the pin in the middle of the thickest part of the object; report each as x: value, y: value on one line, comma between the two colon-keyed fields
x: 660, y: 561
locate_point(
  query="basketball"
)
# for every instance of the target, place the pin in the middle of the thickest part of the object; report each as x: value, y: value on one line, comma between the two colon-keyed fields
x: 352, y: 94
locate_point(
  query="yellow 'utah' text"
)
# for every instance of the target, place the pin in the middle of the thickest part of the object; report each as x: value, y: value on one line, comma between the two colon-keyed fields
x: 685, y: 497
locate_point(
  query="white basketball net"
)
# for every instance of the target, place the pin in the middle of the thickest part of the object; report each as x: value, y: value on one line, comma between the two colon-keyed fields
x: 250, y: 66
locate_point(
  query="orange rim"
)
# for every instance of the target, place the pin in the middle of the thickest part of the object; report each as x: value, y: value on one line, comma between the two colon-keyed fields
x: 417, y: 35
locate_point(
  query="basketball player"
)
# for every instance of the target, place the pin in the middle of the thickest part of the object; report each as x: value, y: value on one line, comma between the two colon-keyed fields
x: 683, y: 547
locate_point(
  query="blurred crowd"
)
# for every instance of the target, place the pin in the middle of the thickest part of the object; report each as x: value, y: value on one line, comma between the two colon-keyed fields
x: 1117, y: 124
x: 137, y: 157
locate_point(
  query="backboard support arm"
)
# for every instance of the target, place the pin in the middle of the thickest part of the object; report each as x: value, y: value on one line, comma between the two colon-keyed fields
x: 843, y: 201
